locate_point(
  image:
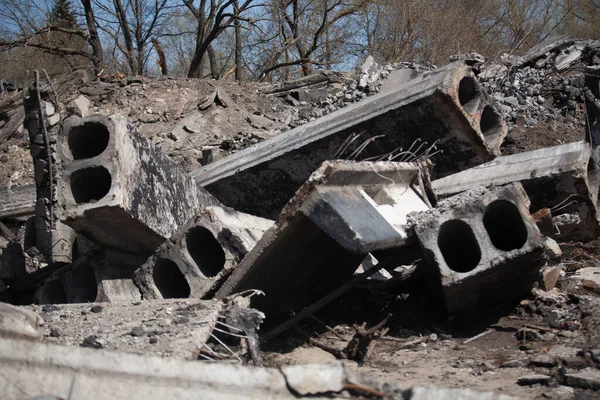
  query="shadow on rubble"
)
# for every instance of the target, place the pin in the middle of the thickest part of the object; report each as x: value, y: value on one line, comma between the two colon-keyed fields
x: 414, y: 310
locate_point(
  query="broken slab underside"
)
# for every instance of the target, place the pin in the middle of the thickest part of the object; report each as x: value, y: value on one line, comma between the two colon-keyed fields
x: 561, y: 178
x: 201, y: 254
x: 481, y: 247
x: 447, y: 106
x: 180, y: 327
x: 119, y: 190
x: 343, y: 212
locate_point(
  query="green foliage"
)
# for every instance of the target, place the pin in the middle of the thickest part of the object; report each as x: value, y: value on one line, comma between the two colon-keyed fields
x: 62, y: 15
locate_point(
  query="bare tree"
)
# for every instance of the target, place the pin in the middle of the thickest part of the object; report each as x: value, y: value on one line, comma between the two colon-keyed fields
x: 132, y: 24
x: 212, y: 18
x: 307, y: 32
x: 37, y: 35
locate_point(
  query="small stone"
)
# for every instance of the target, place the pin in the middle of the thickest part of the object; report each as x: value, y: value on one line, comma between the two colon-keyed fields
x: 595, y: 354
x: 549, y: 276
x: 574, y: 362
x: 181, y: 320
x: 153, y: 340
x: 50, y: 308
x: 553, y: 250
x: 137, y: 331
x: 54, y: 332
x: 543, y: 360
x: 92, y: 342
x: 587, y: 379
x: 54, y: 119
x: 536, y: 379
x: 96, y: 309
x: 520, y: 363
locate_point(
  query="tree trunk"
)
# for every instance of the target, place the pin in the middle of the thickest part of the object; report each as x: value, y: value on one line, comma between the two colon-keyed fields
x: 214, y: 67
x: 238, y: 43
x: 94, y: 39
x: 122, y: 17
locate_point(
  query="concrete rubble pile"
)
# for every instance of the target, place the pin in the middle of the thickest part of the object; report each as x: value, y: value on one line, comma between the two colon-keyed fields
x: 550, y: 81
x: 410, y: 168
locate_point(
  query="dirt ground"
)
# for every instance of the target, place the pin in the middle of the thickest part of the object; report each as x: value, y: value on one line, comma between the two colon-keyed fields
x: 180, y: 116
x: 422, y: 349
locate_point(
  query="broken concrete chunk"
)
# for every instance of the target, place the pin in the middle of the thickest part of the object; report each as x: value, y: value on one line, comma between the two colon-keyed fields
x: 586, y: 379
x: 569, y: 55
x: 80, y: 107
x: 370, y: 262
x: 481, y: 247
x: 17, y: 321
x: 549, y: 276
x: 120, y: 191
x: 343, y: 212
x: 534, y: 379
x: 315, y: 378
x: 447, y: 106
x: 198, y: 256
x: 561, y: 178
x: 259, y: 122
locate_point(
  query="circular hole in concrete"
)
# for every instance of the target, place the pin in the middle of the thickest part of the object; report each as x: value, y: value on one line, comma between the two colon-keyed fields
x: 490, y: 123
x: 205, y: 250
x: 53, y: 293
x: 88, y: 140
x: 90, y: 184
x: 459, y: 246
x: 84, y: 288
x: 169, y: 280
x: 468, y: 94
x: 504, y: 225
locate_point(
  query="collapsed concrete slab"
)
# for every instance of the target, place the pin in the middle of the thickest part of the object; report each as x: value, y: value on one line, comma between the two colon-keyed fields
x: 179, y: 326
x: 29, y: 370
x: 447, y: 106
x: 562, y: 178
x: 481, y: 247
x: 201, y: 254
x: 100, y: 275
x: 119, y: 190
x: 343, y: 212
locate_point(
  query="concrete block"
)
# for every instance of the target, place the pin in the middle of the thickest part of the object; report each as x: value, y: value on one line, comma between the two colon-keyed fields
x: 201, y: 254
x: 100, y: 275
x: 562, y: 178
x: 481, y: 247
x: 343, y: 212
x: 447, y: 106
x: 119, y: 190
